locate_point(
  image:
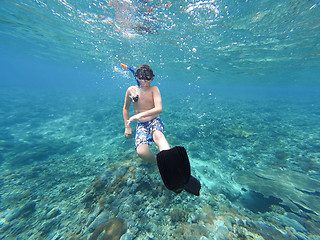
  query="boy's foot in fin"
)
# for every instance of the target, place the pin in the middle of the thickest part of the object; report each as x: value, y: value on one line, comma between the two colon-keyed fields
x: 175, y: 171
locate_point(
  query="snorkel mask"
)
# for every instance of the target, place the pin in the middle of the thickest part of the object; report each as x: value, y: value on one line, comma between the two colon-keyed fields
x: 142, y: 73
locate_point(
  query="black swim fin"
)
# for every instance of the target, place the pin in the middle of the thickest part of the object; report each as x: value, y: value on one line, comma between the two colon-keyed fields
x: 193, y: 186
x: 175, y: 171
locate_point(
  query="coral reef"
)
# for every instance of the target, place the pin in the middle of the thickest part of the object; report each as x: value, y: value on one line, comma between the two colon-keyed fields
x: 69, y: 175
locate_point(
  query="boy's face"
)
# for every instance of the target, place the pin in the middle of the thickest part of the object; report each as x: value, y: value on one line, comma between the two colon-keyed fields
x: 145, y: 83
x: 145, y: 75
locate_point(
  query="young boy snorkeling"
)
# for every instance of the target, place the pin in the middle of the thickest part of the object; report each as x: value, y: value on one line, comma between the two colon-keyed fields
x: 147, y: 106
x: 173, y: 164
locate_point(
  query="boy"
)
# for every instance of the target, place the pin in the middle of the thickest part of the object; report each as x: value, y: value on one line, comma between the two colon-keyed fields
x: 147, y: 106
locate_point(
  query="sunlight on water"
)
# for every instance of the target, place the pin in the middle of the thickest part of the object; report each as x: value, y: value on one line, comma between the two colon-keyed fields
x: 214, y: 37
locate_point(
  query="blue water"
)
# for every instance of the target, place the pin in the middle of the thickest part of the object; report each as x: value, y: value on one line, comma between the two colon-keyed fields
x: 240, y: 86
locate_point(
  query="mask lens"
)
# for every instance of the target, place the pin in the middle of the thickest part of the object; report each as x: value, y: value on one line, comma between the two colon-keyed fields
x: 144, y: 74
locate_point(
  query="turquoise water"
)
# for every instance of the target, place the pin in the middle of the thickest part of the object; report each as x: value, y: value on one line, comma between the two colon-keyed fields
x: 240, y: 84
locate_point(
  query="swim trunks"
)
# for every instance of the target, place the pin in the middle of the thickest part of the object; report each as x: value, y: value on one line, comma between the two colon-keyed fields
x: 145, y: 130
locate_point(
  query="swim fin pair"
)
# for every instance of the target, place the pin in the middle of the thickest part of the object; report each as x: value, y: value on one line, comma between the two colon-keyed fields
x: 175, y: 171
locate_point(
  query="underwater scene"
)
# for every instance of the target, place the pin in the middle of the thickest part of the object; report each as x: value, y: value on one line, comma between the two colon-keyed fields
x: 240, y: 88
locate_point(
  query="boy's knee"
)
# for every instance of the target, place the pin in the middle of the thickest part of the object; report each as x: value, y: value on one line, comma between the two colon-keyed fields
x: 143, y: 152
x: 157, y: 136
x: 160, y: 140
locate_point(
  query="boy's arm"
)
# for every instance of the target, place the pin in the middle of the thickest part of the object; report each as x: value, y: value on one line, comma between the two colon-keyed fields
x: 153, y: 111
x: 125, y: 111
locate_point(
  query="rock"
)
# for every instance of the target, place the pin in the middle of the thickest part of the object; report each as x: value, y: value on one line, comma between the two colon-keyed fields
x: 296, y: 190
x: 93, y: 215
x: 99, y: 220
x: 203, y: 238
x: 111, y: 230
x: 267, y: 231
x: 53, y: 235
x: 127, y: 236
x: 178, y: 215
x: 288, y: 222
x: 221, y: 232
x: 53, y: 213
x: 25, y: 211
x: 49, y: 227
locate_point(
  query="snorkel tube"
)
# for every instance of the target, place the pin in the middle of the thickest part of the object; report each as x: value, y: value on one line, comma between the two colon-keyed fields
x: 134, y: 98
x: 133, y: 72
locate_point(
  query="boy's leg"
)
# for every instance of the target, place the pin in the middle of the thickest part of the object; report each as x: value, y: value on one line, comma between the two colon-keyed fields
x: 145, y: 154
x: 141, y: 143
x: 160, y: 140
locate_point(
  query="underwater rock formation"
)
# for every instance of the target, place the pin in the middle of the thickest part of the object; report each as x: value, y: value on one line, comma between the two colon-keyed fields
x: 298, y: 191
x: 238, y: 132
x: 111, y: 230
x: 23, y: 211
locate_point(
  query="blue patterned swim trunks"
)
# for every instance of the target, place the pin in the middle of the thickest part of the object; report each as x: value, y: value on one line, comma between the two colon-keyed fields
x: 145, y: 130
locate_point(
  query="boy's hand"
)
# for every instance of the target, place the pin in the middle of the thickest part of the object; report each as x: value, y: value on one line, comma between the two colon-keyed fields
x: 128, y: 132
x: 134, y: 118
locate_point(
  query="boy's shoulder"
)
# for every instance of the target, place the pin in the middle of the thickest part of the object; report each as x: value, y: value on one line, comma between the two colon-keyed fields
x: 154, y: 88
x: 135, y: 87
x: 132, y: 87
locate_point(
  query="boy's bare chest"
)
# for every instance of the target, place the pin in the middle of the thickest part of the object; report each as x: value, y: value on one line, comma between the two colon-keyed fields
x: 146, y: 96
x: 145, y: 100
